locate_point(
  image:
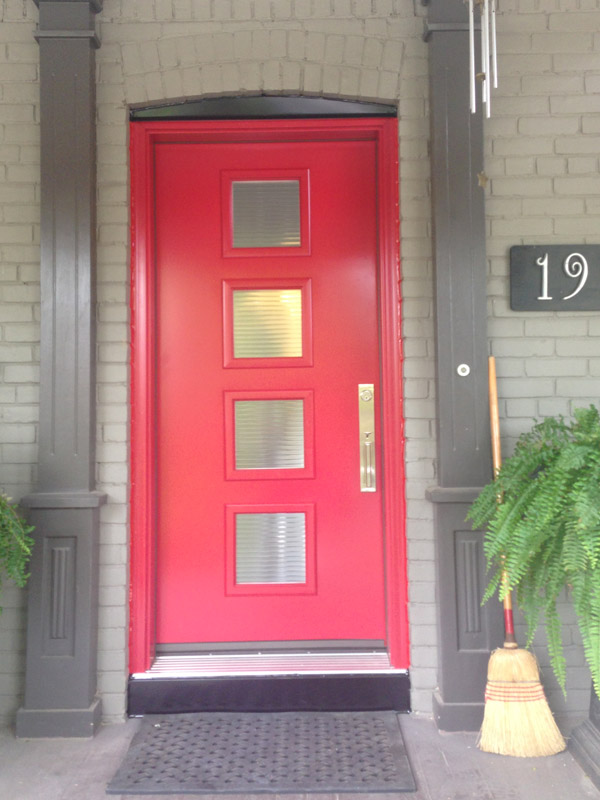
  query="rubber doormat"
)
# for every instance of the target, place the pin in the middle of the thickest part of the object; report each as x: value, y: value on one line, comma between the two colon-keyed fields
x: 272, y: 753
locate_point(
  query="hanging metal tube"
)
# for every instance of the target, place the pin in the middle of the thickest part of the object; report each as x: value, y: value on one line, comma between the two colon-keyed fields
x: 485, y: 26
x: 494, y: 47
x: 489, y: 53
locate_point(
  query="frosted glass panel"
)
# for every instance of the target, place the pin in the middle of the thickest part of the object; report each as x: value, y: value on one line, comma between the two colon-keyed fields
x: 266, y: 213
x: 270, y: 548
x: 267, y: 323
x: 269, y: 434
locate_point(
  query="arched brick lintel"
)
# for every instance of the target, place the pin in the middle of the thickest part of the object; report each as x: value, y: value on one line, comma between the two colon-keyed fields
x: 190, y: 66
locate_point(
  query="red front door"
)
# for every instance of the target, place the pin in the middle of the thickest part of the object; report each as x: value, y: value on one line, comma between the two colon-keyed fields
x: 269, y: 481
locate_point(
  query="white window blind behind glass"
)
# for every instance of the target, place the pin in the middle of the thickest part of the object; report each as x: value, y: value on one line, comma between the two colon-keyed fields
x: 267, y: 323
x: 269, y: 434
x: 266, y: 213
x: 270, y: 548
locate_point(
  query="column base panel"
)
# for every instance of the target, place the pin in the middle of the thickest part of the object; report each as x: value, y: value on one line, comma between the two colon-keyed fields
x: 81, y: 723
x: 457, y: 716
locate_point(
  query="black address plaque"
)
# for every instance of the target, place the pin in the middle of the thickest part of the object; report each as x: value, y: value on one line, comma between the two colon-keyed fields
x: 555, y: 277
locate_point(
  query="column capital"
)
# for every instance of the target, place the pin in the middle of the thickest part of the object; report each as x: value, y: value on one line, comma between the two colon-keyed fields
x: 68, y: 19
x: 447, y: 16
x: 446, y: 11
x: 95, y: 5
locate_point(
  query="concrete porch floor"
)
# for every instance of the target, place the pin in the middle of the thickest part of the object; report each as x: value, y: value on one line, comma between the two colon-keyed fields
x: 447, y: 766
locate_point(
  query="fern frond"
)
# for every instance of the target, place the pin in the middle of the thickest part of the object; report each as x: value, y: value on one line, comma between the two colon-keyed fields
x: 555, y: 647
x: 15, y: 543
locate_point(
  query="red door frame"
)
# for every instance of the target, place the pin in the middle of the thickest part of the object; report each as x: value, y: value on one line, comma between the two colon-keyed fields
x: 143, y: 137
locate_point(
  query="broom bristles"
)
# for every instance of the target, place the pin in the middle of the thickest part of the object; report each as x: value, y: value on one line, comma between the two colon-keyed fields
x: 517, y: 720
x: 512, y: 665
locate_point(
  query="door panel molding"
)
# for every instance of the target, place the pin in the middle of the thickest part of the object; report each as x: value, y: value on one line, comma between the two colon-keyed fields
x: 145, y: 137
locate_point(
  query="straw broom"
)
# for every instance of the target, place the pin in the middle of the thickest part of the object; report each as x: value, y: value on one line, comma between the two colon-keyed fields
x: 517, y: 720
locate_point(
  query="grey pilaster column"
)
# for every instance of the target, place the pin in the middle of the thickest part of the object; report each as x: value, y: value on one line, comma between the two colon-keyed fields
x: 60, y: 683
x: 467, y: 632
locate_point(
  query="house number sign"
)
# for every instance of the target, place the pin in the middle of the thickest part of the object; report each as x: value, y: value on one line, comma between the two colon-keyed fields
x: 555, y: 278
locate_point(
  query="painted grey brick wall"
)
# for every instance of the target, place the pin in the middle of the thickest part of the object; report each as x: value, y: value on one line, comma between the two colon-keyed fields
x: 19, y: 297
x: 541, y: 158
x: 373, y: 50
x: 164, y: 50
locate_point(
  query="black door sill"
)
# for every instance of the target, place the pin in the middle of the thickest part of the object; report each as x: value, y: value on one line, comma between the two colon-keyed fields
x: 270, y: 693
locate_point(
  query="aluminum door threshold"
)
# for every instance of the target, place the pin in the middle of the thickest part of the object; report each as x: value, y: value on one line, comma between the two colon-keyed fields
x: 207, y: 665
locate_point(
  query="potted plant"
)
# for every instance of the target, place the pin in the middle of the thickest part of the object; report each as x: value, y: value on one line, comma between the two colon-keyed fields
x: 15, y: 543
x: 542, y: 520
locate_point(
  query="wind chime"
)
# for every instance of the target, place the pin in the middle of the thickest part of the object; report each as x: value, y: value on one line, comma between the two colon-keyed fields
x: 488, y: 74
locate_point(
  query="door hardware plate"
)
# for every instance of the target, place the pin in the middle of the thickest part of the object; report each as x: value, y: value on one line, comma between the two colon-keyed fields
x: 366, y: 426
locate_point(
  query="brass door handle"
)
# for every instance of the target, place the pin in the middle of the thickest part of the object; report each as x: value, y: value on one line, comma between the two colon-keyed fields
x: 366, y: 425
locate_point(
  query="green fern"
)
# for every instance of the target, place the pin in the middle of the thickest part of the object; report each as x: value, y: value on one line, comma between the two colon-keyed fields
x: 15, y: 543
x: 542, y: 520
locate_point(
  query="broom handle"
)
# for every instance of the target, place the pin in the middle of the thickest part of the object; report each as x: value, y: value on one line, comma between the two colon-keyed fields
x: 509, y: 627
